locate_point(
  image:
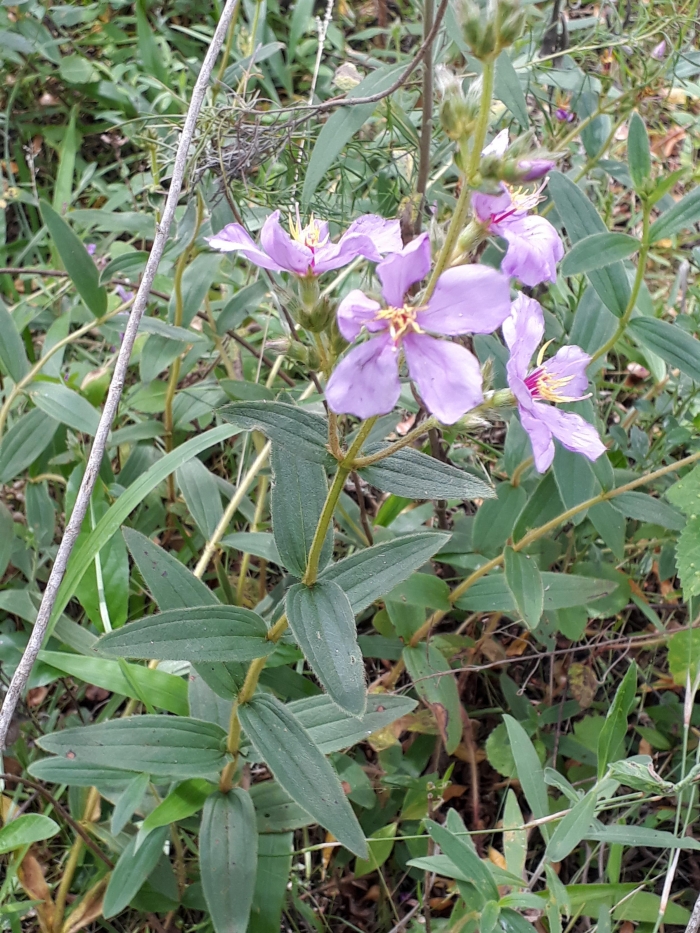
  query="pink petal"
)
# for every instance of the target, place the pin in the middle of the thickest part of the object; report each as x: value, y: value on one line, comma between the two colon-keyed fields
x: 523, y: 332
x: 534, y: 249
x: 366, y: 381
x: 571, y: 430
x: 277, y: 243
x: 448, y: 376
x: 384, y: 234
x: 404, y: 268
x: 540, y: 438
x: 234, y: 238
x: 356, y: 311
x: 570, y: 362
x: 467, y: 299
x: 487, y: 206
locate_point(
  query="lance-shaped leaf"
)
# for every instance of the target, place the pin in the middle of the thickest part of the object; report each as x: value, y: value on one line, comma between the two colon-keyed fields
x: 597, y: 251
x: 525, y: 583
x: 132, y: 870
x: 332, y: 729
x: 178, y: 747
x: 299, y: 490
x: 670, y: 342
x: 172, y: 585
x: 323, y: 625
x: 300, y: 432
x: 436, y: 686
x: 228, y: 857
x: 204, y: 633
x: 80, y: 266
x: 638, y: 153
x: 416, y: 475
x: 681, y: 216
x: 370, y: 574
x: 573, y: 828
x: 301, y: 768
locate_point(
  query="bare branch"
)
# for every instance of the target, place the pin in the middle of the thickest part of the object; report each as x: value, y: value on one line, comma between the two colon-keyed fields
x: 21, y: 675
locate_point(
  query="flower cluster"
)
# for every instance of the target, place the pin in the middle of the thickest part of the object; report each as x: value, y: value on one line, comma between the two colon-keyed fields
x: 465, y: 299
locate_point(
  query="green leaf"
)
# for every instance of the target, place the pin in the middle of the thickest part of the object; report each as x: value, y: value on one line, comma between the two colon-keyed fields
x: 259, y: 543
x: 113, y: 593
x: 150, y: 55
x: 638, y: 153
x: 681, y: 216
x: 132, y: 870
x: 28, y: 437
x: 370, y: 574
x: 274, y: 867
x: 26, y: 829
x: 440, y: 693
x: 508, y: 90
x: 465, y: 859
x: 165, y: 691
x: 645, y: 508
x: 76, y: 259
x: 416, y: 475
x: 275, y: 811
x: 685, y: 494
x: 12, y: 352
x: 300, y: 432
x: 380, y: 845
x: 573, y: 828
x: 530, y: 772
x: 200, y: 491
x: 118, y: 512
x: 514, y: 839
x: 598, y: 251
x: 525, y: 583
x: 66, y: 406
x: 228, y: 857
x: 63, y: 186
x: 581, y: 220
x: 688, y: 557
x: 78, y: 774
x: 684, y: 656
x: 611, y: 526
x: 332, y: 729
x: 615, y: 725
x: 670, y: 342
x: 495, y: 520
x: 323, y: 624
x: 575, y: 479
x: 176, y: 747
x: 561, y: 591
x: 185, y: 800
x: 172, y: 585
x: 299, y: 490
x: 422, y: 589
x: 301, y: 768
x: 129, y: 801
x: 642, y: 836
x: 202, y: 633
x: 342, y: 126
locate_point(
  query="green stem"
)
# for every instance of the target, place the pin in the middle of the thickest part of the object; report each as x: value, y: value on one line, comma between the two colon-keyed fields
x: 638, y: 279
x: 422, y: 428
x: 545, y: 529
x: 462, y: 209
x: 344, y: 469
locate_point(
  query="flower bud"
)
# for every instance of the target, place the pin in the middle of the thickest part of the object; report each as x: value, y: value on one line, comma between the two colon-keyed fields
x: 458, y: 111
x: 510, y: 29
x: 534, y: 169
x: 479, y: 30
x: 318, y: 318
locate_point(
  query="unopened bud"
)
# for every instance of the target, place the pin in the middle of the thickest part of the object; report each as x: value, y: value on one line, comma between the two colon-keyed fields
x: 510, y: 29
x: 318, y: 318
x: 534, y: 169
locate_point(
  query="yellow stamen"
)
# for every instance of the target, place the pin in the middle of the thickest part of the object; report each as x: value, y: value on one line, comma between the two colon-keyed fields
x: 543, y: 350
x: 548, y: 388
x: 401, y: 321
x: 310, y: 235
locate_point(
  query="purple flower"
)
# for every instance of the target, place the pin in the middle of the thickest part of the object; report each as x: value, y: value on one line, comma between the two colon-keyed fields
x: 658, y: 53
x: 91, y: 248
x: 309, y: 251
x: 534, y: 246
x: 123, y: 293
x: 561, y: 379
x: 564, y: 115
x: 472, y: 299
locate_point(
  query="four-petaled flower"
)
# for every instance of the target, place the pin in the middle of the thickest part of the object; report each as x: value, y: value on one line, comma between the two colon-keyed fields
x: 309, y: 250
x: 534, y: 246
x: 467, y: 299
x: 561, y: 379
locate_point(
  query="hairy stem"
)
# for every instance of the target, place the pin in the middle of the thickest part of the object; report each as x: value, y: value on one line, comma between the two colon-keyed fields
x: 634, y: 294
x: 472, y: 169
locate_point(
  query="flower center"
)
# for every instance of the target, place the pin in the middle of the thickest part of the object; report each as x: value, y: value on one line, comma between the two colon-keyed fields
x: 521, y: 201
x: 401, y: 321
x: 310, y: 235
x: 543, y: 385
